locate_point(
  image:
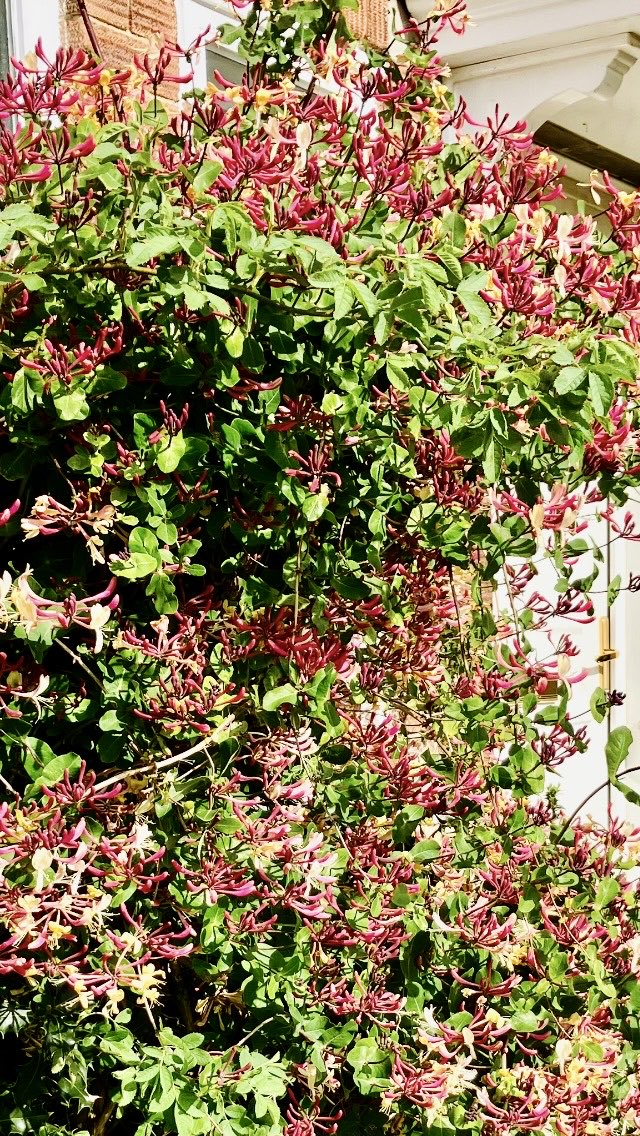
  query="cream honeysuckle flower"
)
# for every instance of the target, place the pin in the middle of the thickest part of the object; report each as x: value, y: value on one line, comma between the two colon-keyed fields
x: 98, y: 619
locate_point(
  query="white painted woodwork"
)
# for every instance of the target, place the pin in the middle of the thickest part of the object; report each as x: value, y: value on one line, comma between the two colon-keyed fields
x: 538, y: 59
x: 193, y: 17
x: 31, y: 20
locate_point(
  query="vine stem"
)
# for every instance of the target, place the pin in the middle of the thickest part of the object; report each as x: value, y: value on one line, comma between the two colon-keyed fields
x: 76, y: 658
x: 173, y: 760
x: 8, y: 787
x: 634, y: 769
x: 89, y: 28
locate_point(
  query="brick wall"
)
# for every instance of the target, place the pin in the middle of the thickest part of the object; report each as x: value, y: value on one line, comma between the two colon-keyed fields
x: 372, y: 21
x: 123, y: 27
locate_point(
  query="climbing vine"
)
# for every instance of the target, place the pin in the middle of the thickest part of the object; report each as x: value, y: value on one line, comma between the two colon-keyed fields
x: 301, y: 385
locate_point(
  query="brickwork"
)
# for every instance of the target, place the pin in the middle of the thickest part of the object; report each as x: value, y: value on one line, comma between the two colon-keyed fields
x: 372, y: 21
x: 123, y: 27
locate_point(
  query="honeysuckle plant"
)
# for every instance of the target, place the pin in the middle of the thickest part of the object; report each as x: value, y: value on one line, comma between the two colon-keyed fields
x: 303, y: 384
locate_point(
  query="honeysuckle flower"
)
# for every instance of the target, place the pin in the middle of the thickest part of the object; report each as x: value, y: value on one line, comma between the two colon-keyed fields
x: 147, y: 983
x: 32, y: 609
x: 98, y: 618
x: 9, y: 512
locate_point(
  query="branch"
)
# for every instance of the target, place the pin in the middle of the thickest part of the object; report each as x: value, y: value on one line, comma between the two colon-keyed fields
x: 634, y: 769
x: 173, y: 760
x: 79, y: 661
x: 89, y: 28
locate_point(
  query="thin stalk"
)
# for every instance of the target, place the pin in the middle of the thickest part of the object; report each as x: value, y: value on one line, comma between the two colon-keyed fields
x: 153, y: 765
x: 634, y: 769
x: 89, y: 28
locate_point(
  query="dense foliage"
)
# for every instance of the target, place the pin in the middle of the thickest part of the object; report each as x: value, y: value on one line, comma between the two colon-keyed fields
x: 289, y: 379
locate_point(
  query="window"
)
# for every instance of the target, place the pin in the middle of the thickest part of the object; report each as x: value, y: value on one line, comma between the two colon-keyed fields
x: 193, y: 17
x: 23, y: 23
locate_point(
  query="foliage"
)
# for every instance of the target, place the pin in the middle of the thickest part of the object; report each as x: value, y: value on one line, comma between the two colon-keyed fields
x: 289, y: 379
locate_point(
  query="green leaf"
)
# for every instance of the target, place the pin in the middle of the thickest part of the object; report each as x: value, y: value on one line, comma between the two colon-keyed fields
x: 138, y: 565
x: 617, y: 749
x: 432, y: 296
x: 401, y: 896
x: 166, y: 532
x: 143, y: 540
x: 365, y: 296
x: 451, y: 263
x: 163, y: 590
x: 375, y: 523
x: 613, y: 591
x: 370, y: 1064
x: 406, y: 822
x: 170, y: 456
x: 601, y: 392
x: 206, y: 175
x: 454, y: 226
x: 631, y: 795
x: 37, y: 754
x: 55, y: 769
x: 608, y: 890
x: 524, y: 1021
x: 111, y: 723
x: 569, y: 379
x: 194, y: 298
x: 366, y: 1051
x: 234, y: 343
x: 474, y: 305
x: 492, y: 461
x: 253, y: 354
x: 315, y: 504
x: 22, y: 218
x: 599, y: 704
x: 327, y: 278
x: 557, y: 966
x: 22, y: 395
x: 72, y: 406
x: 343, y: 298
x: 187, y: 1125
x: 141, y: 252
x: 279, y: 696
x: 426, y: 850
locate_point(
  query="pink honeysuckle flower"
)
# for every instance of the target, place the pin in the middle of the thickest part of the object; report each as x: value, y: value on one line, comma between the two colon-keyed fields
x: 310, y: 1122
x: 9, y: 512
x: 216, y: 877
x: 68, y: 363
x: 49, y: 517
x: 89, y: 612
x: 624, y: 527
x: 513, y: 659
x: 314, y: 467
x: 523, y: 1113
x: 558, y: 746
x: 558, y: 512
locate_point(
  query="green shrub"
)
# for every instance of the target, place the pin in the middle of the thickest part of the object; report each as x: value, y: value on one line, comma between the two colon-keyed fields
x: 288, y: 380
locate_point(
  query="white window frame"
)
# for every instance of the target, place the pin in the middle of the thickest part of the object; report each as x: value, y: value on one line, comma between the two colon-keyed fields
x: 193, y: 16
x: 6, y: 46
x: 31, y: 20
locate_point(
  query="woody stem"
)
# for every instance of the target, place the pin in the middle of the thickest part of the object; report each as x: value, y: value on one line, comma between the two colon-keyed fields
x: 89, y: 28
